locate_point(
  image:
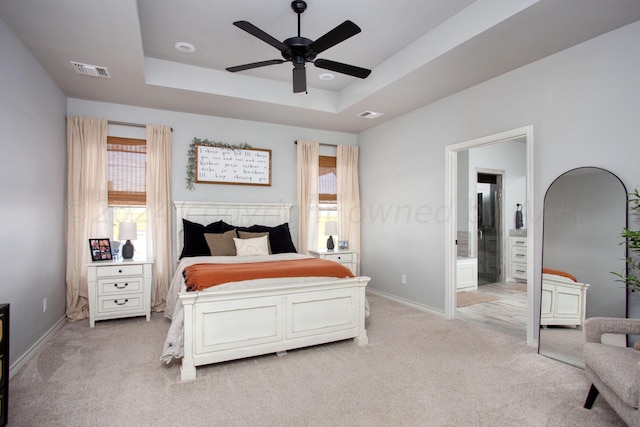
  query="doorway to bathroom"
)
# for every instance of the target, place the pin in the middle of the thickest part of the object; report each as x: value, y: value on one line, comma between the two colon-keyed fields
x: 458, y: 161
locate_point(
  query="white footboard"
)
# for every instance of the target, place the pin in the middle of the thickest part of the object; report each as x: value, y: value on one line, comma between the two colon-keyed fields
x: 228, y: 325
x: 562, y: 302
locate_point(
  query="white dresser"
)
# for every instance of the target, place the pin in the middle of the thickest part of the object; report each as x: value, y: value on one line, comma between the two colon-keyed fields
x: 119, y: 289
x: 344, y: 256
x: 518, y: 258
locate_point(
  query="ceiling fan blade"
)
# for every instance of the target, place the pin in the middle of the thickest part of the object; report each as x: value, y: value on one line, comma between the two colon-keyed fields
x: 339, y: 67
x: 255, y: 65
x: 299, y: 80
x: 338, y: 34
x: 257, y: 32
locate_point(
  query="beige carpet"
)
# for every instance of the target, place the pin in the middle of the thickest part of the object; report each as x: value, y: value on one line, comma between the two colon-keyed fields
x: 465, y: 299
x: 418, y: 370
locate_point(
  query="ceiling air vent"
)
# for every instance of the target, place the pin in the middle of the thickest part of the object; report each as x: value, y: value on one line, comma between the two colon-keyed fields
x: 91, y: 70
x: 369, y: 115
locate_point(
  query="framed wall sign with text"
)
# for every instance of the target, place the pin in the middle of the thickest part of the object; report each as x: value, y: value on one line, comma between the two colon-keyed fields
x: 220, y: 165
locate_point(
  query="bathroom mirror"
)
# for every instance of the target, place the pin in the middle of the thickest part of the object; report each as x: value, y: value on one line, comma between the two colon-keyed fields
x: 585, y: 210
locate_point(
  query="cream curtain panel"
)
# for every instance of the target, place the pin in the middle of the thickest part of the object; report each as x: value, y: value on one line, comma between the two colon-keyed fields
x: 159, y: 211
x: 307, y: 154
x: 348, y: 197
x: 87, y: 206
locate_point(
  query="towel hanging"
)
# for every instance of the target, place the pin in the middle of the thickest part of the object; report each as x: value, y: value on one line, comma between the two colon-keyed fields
x: 518, y: 216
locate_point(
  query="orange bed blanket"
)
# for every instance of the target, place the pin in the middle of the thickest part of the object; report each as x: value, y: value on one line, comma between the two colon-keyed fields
x: 201, y: 276
x: 560, y: 273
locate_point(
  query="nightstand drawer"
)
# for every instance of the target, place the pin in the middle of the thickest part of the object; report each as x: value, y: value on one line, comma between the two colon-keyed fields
x: 341, y: 258
x: 124, y: 303
x: 119, y: 287
x: 119, y: 270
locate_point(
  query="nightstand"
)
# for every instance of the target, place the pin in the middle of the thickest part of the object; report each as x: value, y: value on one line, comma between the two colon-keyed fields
x: 119, y: 289
x: 344, y: 256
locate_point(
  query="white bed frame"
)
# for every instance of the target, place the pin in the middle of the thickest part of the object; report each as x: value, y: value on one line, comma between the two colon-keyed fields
x: 228, y: 325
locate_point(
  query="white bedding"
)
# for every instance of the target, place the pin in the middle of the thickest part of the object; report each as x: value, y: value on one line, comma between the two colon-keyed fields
x: 174, y: 342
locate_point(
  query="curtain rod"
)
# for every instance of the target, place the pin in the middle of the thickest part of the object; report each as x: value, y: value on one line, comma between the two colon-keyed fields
x: 137, y: 125
x: 320, y: 143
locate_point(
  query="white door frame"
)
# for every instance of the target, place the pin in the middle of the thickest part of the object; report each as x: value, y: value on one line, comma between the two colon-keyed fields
x: 451, y: 191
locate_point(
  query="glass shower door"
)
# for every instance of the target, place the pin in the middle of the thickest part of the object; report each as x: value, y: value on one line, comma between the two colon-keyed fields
x: 488, y: 238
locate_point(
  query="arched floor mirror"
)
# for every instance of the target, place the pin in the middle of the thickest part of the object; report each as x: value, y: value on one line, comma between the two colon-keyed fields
x: 585, y: 210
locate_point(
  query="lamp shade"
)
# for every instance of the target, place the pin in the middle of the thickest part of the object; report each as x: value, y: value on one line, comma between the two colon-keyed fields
x: 128, y: 231
x: 330, y: 228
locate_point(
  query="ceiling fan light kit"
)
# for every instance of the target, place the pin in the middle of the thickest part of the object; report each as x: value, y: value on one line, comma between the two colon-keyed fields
x: 300, y: 50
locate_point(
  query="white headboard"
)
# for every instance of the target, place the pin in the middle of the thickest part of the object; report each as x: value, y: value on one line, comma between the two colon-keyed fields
x: 240, y: 214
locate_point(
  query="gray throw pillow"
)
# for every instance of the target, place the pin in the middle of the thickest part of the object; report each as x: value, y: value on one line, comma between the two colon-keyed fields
x: 221, y: 244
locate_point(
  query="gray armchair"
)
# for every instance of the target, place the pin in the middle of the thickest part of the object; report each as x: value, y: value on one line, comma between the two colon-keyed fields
x: 614, y: 372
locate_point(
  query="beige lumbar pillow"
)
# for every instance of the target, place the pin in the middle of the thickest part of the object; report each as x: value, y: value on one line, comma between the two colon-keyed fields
x: 249, y: 247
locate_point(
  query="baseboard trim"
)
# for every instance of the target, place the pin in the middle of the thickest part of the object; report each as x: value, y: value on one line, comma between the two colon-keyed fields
x: 15, y: 367
x: 413, y: 304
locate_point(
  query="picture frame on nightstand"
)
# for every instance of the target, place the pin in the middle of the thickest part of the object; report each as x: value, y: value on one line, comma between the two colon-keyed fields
x: 100, y: 249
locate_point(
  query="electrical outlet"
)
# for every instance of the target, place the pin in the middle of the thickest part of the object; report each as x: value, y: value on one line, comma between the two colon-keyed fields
x: 403, y: 279
x: 44, y: 305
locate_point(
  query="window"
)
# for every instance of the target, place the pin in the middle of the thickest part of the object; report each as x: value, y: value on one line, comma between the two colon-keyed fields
x: 327, y: 183
x: 127, y: 194
x: 328, y: 196
x: 126, y: 171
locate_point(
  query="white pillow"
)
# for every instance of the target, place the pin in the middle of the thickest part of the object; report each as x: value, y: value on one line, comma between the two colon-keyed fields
x: 249, y: 247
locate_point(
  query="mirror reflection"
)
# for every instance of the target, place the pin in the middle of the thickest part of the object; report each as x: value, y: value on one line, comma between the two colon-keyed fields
x: 585, y: 211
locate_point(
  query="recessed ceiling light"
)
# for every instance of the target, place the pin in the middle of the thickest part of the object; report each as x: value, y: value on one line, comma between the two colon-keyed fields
x: 326, y: 76
x: 370, y: 115
x: 185, y: 47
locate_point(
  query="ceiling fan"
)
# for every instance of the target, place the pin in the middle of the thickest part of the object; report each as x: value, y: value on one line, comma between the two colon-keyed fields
x: 300, y: 50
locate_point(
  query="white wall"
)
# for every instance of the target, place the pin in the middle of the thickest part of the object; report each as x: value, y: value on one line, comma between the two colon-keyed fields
x: 278, y: 138
x: 583, y: 103
x: 32, y: 184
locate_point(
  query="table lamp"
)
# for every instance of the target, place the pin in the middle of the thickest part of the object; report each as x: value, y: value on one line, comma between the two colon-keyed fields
x: 128, y: 232
x: 329, y: 229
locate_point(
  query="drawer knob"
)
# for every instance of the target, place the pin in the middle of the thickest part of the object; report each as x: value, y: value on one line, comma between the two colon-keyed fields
x: 121, y: 287
x: 117, y: 302
x: 119, y: 271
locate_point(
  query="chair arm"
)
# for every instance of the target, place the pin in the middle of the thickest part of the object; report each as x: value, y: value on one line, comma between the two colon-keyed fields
x: 595, y: 327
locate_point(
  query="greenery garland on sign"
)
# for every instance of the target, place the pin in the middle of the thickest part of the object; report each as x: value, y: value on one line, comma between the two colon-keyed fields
x: 191, y: 156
